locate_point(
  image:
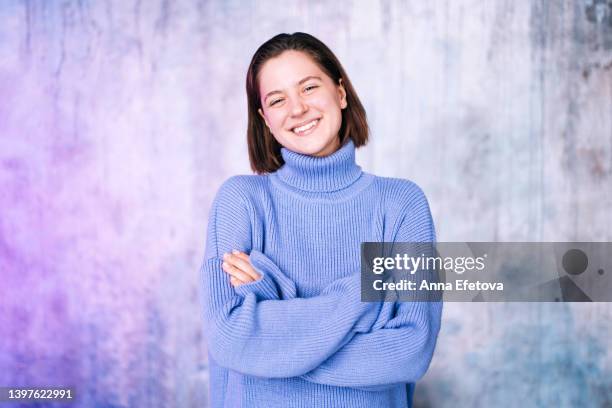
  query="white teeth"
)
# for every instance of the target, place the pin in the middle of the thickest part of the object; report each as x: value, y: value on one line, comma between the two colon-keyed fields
x: 306, y: 126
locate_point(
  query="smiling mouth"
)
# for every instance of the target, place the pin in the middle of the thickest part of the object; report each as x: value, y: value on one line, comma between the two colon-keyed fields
x: 307, y: 128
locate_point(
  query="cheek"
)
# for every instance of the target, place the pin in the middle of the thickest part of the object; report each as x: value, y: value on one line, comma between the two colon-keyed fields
x: 329, y: 105
x: 276, y: 118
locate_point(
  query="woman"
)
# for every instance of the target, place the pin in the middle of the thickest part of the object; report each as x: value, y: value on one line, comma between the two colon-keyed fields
x: 284, y: 319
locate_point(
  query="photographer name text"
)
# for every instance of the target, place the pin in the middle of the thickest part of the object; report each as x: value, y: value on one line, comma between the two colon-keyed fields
x: 458, y: 285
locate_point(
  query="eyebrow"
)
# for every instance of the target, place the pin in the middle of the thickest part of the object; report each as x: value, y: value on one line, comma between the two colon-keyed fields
x: 309, y: 77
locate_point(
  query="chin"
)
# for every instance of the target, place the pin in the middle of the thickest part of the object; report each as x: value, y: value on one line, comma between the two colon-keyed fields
x: 309, y: 147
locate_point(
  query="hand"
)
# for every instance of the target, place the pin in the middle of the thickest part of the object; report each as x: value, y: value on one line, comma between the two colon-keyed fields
x: 238, y: 266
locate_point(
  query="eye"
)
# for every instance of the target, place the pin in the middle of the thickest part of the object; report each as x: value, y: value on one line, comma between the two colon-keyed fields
x: 310, y: 88
x: 274, y: 102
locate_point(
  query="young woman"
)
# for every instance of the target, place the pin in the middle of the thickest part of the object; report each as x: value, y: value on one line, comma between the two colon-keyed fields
x: 281, y: 276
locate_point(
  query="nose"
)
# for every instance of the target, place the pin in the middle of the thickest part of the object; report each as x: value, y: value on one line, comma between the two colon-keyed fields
x: 298, y: 107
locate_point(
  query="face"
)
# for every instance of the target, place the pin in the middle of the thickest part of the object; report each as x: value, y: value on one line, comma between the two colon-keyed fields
x: 302, y: 106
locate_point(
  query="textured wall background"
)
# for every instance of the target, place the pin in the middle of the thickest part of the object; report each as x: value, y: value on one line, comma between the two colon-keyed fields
x: 119, y: 120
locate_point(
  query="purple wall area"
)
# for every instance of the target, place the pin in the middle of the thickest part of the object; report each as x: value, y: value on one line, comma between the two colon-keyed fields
x: 120, y: 119
x: 106, y: 173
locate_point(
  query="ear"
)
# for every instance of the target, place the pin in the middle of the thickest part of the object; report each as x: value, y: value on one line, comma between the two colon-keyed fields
x: 342, y: 93
x: 264, y: 117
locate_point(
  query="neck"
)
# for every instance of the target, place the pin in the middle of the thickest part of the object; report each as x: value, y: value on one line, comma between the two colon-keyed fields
x: 329, y: 173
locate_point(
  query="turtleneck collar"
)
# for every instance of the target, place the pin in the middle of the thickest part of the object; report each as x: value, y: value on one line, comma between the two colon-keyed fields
x: 329, y: 173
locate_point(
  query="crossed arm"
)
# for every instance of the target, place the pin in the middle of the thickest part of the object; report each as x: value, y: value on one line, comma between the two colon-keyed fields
x: 397, y: 352
x: 330, y: 339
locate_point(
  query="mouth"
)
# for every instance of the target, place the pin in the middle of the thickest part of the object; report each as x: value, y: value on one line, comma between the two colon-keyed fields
x: 306, y: 129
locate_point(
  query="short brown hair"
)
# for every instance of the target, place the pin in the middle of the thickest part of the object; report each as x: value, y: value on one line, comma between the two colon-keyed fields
x: 264, y: 150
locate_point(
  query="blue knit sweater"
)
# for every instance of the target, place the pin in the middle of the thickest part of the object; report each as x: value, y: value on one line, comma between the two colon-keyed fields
x: 300, y: 336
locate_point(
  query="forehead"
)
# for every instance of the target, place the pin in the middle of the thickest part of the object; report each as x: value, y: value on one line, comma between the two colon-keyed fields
x: 286, y: 70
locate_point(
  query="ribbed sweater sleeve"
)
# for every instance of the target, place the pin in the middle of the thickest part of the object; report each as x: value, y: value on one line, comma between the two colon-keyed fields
x: 400, y: 351
x: 387, y: 356
x: 271, y: 338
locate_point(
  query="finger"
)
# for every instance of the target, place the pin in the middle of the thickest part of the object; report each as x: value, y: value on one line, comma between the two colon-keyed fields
x: 242, y: 264
x: 248, y: 266
x: 237, y: 273
x: 241, y: 261
x: 235, y: 282
x: 241, y: 255
x: 235, y: 279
